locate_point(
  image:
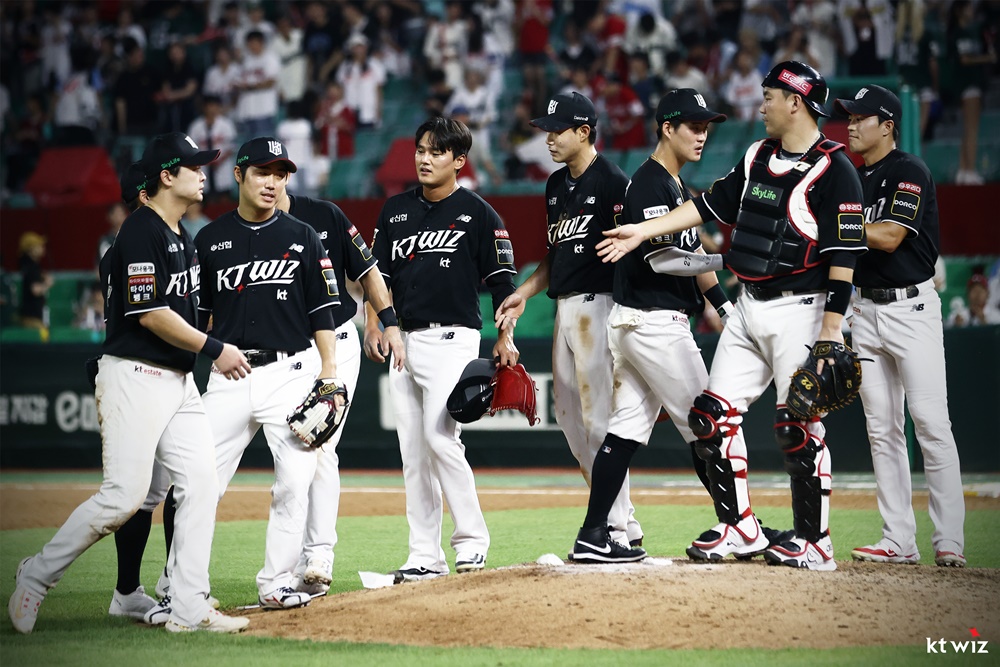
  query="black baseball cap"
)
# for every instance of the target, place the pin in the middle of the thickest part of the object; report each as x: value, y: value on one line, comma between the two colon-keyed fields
x: 264, y: 150
x: 567, y: 110
x: 167, y: 151
x: 872, y: 101
x: 133, y: 181
x: 686, y: 104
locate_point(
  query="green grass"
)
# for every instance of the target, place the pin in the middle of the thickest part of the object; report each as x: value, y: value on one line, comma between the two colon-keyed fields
x: 74, y: 629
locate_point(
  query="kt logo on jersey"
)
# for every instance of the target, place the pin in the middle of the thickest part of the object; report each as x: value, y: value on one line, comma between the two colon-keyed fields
x: 442, y: 240
x: 259, y: 272
x: 569, y: 229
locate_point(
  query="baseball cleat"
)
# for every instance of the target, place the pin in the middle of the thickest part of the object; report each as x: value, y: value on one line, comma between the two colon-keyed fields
x: 318, y: 571
x: 134, y: 605
x: 214, y: 622
x: 284, y: 598
x: 415, y: 574
x: 883, y: 552
x: 159, y: 614
x: 949, y: 559
x: 744, y: 540
x: 773, y: 536
x: 23, y: 604
x: 594, y: 545
x: 799, y: 552
x: 637, y: 542
x: 163, y: 591
x: 467, y: 561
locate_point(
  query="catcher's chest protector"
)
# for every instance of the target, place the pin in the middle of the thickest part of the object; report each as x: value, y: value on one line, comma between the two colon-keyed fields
x: 776, y: 232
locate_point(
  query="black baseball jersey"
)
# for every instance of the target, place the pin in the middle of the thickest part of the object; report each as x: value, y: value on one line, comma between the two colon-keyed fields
x: 899, y: 188
x: 435, y: 255
x: 653, y: 193
x: 344, y: 245
x: 824, y: 207
x: 148, y: 268
x: 268, y: 285
x: 578, y: 211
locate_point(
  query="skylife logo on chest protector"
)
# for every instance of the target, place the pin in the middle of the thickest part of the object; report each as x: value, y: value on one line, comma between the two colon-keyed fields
x: 259, y: 272
x: 442, y: 240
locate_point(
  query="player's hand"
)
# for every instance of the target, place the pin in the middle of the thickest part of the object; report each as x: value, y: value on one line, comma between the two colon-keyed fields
x: 373, y: 344
x: 231, y: 363
x: 508, y: 312
x: 393, y: 341
x: 505, y: 352
x: 621, y: 241
x: 834, y: 335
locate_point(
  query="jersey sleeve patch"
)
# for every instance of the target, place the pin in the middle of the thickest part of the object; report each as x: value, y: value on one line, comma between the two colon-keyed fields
x: 505, y: 252
x: 325, y: 263
x: 330, y: 278
x: 654, y: 212
x: 359, y: 243
x: 910, y: 187
x: 905, y: 204
x: 501, y: 234
x: 851, y: 222
x: 141, y: 269
x: 141, y: 289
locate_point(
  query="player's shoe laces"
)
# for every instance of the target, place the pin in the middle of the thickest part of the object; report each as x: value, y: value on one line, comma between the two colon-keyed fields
x: 159, y: 614
x: 318, y: 571
x: 949, y: 559
x: 415, y: 574
x: 884, y: 551
x: 23, y: 604
x: 466, y: 561
x: 163, y: 591
x: 134, y: 605
x: 284, y: 598
x: 744, y: 540
x: 799, y: 552
x: 594, y: 545
x: 213, y: 622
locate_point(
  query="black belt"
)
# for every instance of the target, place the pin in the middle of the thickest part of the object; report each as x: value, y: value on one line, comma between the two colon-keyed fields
x: 409, y: 324
x: 888, y: 294
x: 767, y: 293
x: 258, y: 358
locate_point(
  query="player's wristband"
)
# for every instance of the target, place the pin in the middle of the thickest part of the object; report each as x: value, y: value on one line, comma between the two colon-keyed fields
x: 838, y: 296
x: 212, y: 348
x: 717, y: 296
x: 387, y: 316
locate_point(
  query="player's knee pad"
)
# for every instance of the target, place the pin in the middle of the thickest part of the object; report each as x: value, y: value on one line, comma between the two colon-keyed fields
x: 711, y: 420
x: 789, y: 432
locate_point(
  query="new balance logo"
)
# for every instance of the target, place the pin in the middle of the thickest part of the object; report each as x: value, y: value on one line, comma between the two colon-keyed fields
x: 296, y: 247
x: 806, y: 301
x: 464, y: 218
x: 591, y: 200
x: 448, y: 335
x: 917, y: 307
x: 588, y: 297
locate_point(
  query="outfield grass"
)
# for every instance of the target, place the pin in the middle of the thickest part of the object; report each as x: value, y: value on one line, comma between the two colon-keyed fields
x: 74, y: 629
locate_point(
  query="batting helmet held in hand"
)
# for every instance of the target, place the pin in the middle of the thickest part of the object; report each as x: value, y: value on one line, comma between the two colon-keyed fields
x: 801, y: 79
x: 471, y: 397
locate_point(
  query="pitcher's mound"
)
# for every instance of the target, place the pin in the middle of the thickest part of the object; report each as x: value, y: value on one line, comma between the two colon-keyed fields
x: 659, y: 603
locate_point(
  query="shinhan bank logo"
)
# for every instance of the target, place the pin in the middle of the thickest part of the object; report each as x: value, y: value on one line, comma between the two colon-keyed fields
x: 942, y: 645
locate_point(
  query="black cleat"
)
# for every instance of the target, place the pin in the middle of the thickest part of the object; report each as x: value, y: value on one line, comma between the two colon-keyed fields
x: 594, y: 545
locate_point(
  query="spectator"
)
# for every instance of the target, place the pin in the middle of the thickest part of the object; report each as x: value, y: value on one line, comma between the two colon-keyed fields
x: 221, y: 78
x: 35, y: 283
x: 795, y: 46
x: 765, y: 19
x: 321, y: 42
x: 576, y: 53
x: 336, y: 123
x: 447, y: 43
x: 978, y: 312
x: 579, y: 82
x: 287, y: 46
x: 128, y: 29
x: 55, y: 39
x: 819, y: 19
x: 135, y: 107
x: 213, y: 130
x: 90, y: 311
x: 108, y: 65
x: 655, y: 37
x: 27, y: 146
x: 388, y: 43
x: 356, y: 22
x: 917, y: 53
x: 295, y: 132
x: 479, y: 153
x: 257, y: 86
x: 77, y: 111
x: 438, y: 93
x: 868, y: 30
x: 231, y: 23
x: 521, y: 131
x: 255, y: 21
x: 970, y: 58
x: 647, y: 86
x: 681, y: 74
x: 533, y: 21
x: 177, y: 90
x: 609, y: 32
x: 174, y: 22
x: 742, y: 90
x: 625, y: 115
x: 115, y: 216
x: 498, y: 26
x: 194, y: 219
x: 362, y: 77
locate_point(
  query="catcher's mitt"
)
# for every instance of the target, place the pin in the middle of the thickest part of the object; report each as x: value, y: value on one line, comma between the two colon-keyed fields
x: 319, y: 417
x: 514, y: 389
x: 836, y: 387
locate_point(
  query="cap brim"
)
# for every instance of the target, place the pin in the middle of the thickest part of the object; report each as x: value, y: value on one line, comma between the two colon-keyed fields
x: 852, y: 108
x: 291, y: 165
x: 702, y: 116
x: 200, y: 158
x: 551, y: 124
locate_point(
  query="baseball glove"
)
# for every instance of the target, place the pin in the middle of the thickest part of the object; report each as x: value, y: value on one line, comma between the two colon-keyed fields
x: 837, y: 386
x: 514, y: 389
x: 319, y: 417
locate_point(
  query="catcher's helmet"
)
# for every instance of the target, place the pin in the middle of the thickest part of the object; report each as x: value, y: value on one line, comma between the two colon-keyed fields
x: 802, y: 79
x: 471, y: 397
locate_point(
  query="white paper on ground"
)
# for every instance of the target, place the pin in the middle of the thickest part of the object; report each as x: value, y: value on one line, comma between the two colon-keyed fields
x: 376, y: 579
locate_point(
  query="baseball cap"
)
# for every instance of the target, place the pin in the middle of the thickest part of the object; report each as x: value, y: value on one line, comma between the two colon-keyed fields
x: 166, y: 151
x: 567, y: 110
x: 133, y: 181
x: 686, y: 104
x: 264, y: 150
x: 872, y: 101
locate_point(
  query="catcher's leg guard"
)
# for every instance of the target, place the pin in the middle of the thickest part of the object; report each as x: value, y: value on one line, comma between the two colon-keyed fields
x: 720, y: 444
x: 807, y: 461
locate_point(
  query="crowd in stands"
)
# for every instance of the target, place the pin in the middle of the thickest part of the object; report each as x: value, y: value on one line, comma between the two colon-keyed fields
x: 313, y: 73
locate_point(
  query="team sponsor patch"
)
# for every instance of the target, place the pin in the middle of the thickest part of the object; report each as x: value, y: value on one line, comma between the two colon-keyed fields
x: 505, y: 252
x: 905, y: 205
x: 141, y: 268
x: 332, y: 289
x: 765, y: 194
x: 851, y: 226
x: 325, y: 263
x: 618, y: 208
x: 655, y: 211
x: 795, y: 81
x: 909, y: 187
x: 141, y: 289
x: 666, y: 239
x: 359, y: 243
x: 851, y: 207
x: 501, y: 233
x: 352, y: 231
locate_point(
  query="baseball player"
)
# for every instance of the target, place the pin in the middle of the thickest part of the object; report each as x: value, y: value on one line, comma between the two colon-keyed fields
x: 352, y: 259
x: 435, y: 245
x: 271, y: 291
x: 583, y: 198
x: 795, y: 200
x: 897, y: 323
x: 148, y: 404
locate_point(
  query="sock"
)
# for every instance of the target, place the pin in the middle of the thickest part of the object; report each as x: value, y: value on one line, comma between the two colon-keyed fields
x: 610, y: 467
x: 130, y: 542
x: 700, y: 468
x: 169, y: 511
